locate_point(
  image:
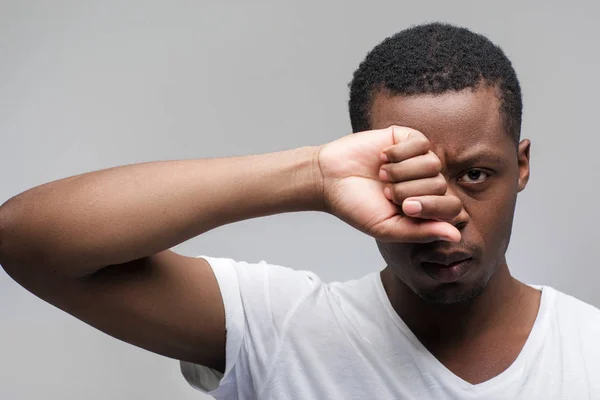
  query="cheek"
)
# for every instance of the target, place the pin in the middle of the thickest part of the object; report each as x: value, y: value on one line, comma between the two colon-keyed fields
x: 394, y: 254
x: 491, y: 224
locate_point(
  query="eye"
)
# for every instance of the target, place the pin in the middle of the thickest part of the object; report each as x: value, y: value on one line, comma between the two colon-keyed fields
x: 474, y: 176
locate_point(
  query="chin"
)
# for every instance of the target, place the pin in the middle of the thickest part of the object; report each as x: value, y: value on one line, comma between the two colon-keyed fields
x: 451, y: 293
x: 461, y: 291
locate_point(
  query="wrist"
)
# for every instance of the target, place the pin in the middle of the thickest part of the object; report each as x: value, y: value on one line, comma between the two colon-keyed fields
x: 308, y: 180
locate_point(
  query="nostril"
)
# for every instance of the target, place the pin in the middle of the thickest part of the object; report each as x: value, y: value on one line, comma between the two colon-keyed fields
x: 460, y: 225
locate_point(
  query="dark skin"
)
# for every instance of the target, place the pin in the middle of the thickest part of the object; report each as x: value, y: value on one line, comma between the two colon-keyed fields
x: 475, y: 325
x: 107, y: 264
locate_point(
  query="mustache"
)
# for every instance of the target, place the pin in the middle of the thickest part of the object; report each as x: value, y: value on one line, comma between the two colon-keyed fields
x: 419, y: 249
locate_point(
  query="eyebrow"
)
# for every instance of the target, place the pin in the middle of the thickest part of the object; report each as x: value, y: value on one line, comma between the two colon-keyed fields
x: 477, y: 156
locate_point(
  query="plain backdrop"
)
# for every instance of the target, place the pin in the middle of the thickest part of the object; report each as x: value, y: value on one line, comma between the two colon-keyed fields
x: 86, y: 85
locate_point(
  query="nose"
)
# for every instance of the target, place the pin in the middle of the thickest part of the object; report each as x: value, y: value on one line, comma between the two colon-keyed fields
x: 462, y: 219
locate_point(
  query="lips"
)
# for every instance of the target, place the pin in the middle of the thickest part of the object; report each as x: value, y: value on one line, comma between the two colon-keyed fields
x: 446, y: 267
x: 446, y: 258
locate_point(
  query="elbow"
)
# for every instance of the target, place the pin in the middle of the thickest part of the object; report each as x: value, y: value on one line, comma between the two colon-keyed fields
x: 22, y: 256
x: 19, y: 256
x: 10, y: 254
x: 6, y: 215
x: 3, y: 234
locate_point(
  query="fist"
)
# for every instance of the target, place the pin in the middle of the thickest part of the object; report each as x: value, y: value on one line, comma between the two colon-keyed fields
x: 388, y: 184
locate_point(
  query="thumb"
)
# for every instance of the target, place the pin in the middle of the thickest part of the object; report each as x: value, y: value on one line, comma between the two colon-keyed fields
x: 405, y: 229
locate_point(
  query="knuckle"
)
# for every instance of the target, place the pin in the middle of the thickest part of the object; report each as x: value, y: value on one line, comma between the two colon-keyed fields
x: 395, y: 151
x: 439, y: 185
x: 391, y: 171
x: 414, y: 132
x: 422, y: 141
x: 434, y: 162
x: 455, y: 204
x: 398, y: 193
x: 400, y: 133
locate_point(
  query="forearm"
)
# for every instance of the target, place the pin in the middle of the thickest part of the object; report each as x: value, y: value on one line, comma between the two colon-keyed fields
x: 80, y: 224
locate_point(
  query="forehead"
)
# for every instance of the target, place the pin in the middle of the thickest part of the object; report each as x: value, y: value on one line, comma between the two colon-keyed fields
x: 454, y: 121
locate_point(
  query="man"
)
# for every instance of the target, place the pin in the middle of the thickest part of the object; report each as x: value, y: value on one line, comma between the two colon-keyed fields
x: 432, y: 174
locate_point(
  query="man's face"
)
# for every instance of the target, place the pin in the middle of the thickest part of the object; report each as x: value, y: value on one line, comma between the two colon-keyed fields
x: 482, y: 167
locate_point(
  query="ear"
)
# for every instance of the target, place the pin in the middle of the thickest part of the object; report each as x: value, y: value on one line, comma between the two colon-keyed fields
x: 523, y: 160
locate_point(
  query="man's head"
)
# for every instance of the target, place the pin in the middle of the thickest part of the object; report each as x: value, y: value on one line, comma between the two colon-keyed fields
x: 462, y: 93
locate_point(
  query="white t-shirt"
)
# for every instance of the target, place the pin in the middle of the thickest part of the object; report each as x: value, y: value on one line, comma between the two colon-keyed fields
x: 291, y: 336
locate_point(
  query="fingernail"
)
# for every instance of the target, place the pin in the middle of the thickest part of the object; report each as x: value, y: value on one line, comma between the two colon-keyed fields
x: 412, y: 207
x: 384, y: 157
x: 383, y: 175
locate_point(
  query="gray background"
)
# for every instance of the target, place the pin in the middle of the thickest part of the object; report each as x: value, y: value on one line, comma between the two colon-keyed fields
x: 86, y: 85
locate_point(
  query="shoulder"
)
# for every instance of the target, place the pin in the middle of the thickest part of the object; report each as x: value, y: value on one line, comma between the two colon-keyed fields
x: 577, y: 325
x: 259, y: 299
x: 570, y: 307
x: 264, y: 288
x: 358, y: 293
x: 575, y: 318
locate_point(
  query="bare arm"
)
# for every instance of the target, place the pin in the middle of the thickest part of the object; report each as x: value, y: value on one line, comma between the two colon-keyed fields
x: 95, y: 245
x: 81, y: 224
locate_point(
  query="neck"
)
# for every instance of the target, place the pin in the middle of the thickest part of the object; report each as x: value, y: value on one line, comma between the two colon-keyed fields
x: 500, y: 305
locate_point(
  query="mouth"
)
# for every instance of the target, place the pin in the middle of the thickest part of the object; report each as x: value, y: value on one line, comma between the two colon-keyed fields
x: 447, y: 272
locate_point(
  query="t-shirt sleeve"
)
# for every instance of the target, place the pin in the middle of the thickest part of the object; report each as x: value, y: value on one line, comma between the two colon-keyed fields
x: 259, y: 300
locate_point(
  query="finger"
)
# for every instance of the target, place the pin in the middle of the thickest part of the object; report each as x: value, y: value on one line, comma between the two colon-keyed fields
x: 398, y: 192
x: 424, y: 166
x: 413, y: 230
x: 442, y: 208
x: 408, y: 143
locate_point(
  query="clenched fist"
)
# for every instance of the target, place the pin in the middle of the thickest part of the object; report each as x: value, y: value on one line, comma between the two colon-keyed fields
x: 387, y: 183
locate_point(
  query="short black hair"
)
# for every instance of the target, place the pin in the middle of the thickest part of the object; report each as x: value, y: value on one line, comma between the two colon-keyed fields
x: 435, y: 58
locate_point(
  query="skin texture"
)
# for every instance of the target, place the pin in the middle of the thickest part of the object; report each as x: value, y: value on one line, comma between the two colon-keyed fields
x: 96, y: 245
x: 462, y: 322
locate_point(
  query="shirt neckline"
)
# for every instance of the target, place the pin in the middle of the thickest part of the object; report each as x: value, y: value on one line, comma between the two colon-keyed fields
x: 506, y: 377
